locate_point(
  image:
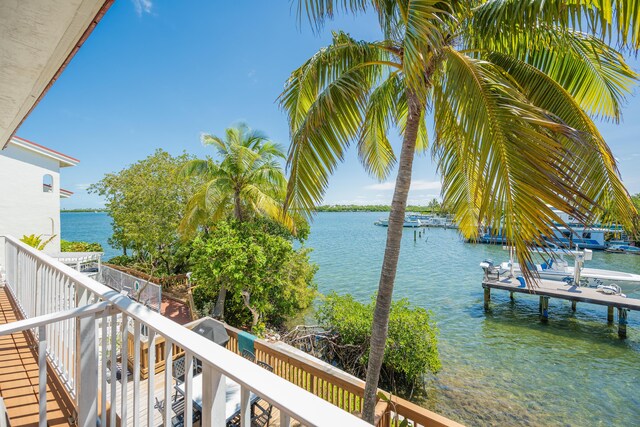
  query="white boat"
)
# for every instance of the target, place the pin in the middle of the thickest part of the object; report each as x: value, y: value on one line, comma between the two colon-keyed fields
x: 409, y: 223
x: 557, y: 268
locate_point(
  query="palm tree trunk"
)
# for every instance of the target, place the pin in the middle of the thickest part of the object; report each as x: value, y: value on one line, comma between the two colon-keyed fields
x: 390, y: 262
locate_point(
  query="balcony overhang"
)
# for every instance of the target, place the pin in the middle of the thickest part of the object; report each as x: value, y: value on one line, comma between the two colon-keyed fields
x: 38, y: 38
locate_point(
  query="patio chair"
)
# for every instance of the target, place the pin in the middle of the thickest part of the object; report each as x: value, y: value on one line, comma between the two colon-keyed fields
x: 248, y: 355
x: 178, y: 370
x: 178, y: 408
x: 261, y: 410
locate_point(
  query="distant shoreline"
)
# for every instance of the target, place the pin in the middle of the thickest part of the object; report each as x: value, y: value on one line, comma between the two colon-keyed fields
x: 369, y: 208
x: 323, y: 208
x: 83, y: 210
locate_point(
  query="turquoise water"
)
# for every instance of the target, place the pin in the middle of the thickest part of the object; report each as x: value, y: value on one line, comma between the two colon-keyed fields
x: 501, y: 368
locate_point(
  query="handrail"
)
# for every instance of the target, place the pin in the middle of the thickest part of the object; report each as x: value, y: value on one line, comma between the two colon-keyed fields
x: 45, y: 319
x: 289, y: 399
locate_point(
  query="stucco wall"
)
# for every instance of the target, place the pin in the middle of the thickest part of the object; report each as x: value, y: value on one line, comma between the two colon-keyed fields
x: 24, y: 207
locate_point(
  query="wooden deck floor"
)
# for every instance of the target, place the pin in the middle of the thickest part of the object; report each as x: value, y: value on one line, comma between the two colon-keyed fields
x: 19, y: 377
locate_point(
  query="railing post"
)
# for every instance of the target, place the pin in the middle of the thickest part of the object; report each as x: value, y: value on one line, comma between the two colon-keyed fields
x: 86, y: 364
x: 214, y: 397
x: 42, y: 375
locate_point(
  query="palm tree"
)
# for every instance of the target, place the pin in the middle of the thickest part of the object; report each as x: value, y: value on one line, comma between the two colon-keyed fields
x: 247, y: 181
x: 510, y: 88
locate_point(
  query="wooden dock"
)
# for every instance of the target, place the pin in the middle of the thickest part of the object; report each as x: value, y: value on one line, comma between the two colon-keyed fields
x: 546, y: 289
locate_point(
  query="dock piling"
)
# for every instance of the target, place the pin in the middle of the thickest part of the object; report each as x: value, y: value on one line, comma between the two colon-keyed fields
x: 573, y: 305
x: 610, y: 314
x: 415, y: 234
x: 487, y: 297
x: 622, y: 322
x: 511, y: 296
x: 544, y: 308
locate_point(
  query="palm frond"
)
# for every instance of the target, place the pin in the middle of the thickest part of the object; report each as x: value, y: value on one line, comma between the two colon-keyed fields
x: 616, y: 21
x: 374, y: 149
x: 595, y: 162
x: 324, y: 100
x: 504, y: 161
x: 595, y: 74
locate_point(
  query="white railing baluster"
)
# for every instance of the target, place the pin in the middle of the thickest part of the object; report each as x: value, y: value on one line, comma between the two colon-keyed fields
x: 42, y: 375
x: 124, y: 360
x: 285, y: 420
x: 151, y: 377
x: 103, y: 371
x: 245, y: 407
x: 213, y: 397
x: 168, y: 380
x: 87, y: 369
x: 188, y: 395
x: 136, y: 373
x: 113, y: 377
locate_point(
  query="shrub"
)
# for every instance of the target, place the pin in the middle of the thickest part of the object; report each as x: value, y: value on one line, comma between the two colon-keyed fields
x: 411, y: 349
x: 67, y: 246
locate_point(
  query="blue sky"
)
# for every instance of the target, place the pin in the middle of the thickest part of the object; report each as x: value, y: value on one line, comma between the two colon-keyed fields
x: 157, y: 74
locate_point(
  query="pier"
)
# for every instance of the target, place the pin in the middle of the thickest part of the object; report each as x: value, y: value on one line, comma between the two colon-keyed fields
x: 546, y: 289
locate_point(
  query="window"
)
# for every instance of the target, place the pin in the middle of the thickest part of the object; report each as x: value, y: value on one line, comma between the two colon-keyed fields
x: 47, y: 183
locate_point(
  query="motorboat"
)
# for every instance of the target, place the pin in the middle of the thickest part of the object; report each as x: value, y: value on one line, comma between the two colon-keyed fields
x: 623, y: 249
x: 555, y: 267
x: 409, y: 223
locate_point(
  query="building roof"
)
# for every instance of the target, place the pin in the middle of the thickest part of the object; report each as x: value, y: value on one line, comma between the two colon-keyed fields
x: 65, y: 194
x: 63, y: 159
x: 38, y: 38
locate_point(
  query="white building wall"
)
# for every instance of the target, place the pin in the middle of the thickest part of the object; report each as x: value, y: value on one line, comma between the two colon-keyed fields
x: 24, y: 207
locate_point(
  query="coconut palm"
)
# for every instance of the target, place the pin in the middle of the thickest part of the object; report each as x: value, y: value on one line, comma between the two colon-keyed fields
x: 510, y: 88
x: 247, y: 181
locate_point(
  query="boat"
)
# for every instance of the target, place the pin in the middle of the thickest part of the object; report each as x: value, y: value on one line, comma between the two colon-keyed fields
x: 409, y: 223
x: 623, y: 249
x: 555, y: 267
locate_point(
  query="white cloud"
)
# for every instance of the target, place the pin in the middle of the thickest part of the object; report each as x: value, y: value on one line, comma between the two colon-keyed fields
x: 142, y: 6
x: 82, y: 187
x: 416, y: 185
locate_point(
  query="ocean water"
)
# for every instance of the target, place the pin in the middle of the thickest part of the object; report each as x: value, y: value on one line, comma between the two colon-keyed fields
x: 502, y: 367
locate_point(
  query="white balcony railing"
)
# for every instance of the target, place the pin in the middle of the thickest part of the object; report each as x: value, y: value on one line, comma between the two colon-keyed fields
x: 81, y: 327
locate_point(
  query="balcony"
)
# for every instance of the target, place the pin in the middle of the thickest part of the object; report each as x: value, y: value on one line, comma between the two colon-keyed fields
x: 75, y: 352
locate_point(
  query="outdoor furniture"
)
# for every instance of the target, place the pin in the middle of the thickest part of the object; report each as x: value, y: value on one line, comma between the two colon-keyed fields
x: 248, y: 355
x: 232, y: 408
x: 178, y: 409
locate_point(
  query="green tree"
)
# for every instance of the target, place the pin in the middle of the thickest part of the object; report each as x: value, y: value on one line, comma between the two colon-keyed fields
x: 511, y: 88
x: 246, y: 182
x: 266, y: 278
x: 146, y: 202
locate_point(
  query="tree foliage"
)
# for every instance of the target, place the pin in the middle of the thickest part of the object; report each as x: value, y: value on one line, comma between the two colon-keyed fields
x: 70, y: 246
x: 145, y: 202
x: 245, y: 181
x: 411, y: 351
x: 266, y: 279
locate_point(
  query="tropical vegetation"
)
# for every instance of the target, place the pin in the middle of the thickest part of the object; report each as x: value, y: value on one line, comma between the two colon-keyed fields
x: 70, y: 246
x: 246, y: 182
x: 38, y: 242
x: 510, y: 87
x: 266, y: 279
x: 146, y: 202
x: 411, y: 347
